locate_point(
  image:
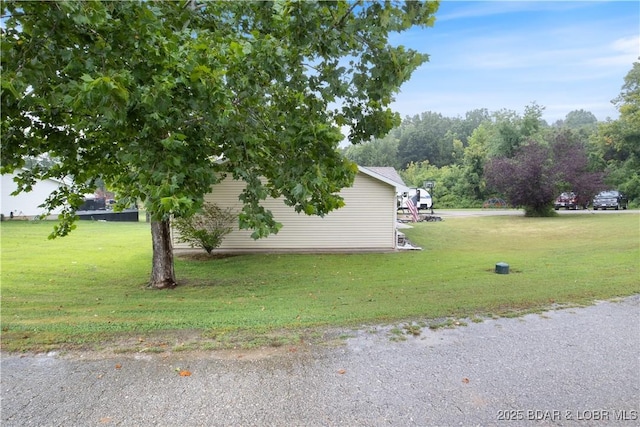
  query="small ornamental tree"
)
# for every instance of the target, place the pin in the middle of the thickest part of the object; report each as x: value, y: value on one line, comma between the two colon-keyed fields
x: 538, y: 172
x: 527, y: 179
x: 205, y: 229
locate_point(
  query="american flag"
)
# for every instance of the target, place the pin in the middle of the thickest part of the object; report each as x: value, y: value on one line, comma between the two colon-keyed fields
x: 411, y: 204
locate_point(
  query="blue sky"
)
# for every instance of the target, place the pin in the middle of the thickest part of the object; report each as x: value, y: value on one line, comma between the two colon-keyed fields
x: 497, y: 55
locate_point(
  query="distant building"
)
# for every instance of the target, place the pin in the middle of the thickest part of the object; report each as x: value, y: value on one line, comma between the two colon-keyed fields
x: 26, y: 205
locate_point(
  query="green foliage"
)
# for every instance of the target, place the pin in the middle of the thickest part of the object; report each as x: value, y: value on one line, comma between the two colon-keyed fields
x: 426, y: 137
x: 474, y: 159
x: 580, y: 119
x: 616, y: 145
x: 628, y: 102
x: 510, y: 130
x: 146, y: 95
x: 207, y: 228
x: 379, y: 152
x: 435, y: 138
x: 449, y: 190
x: 416, y: 173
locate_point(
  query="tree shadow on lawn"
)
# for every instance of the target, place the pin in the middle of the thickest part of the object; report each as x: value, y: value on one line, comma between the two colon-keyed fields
x: 203, y: 256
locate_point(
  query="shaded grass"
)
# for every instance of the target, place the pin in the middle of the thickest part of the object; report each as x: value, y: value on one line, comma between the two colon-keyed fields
x: 88, y: 289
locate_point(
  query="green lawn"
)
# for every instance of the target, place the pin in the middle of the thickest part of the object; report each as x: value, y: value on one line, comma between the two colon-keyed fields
x: 88, y: 289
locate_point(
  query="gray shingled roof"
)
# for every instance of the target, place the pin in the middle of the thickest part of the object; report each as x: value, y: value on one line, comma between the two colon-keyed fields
x: 387, y: 172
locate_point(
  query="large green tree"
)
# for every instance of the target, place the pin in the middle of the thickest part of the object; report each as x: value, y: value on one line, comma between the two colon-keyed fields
x: 149, y: 96
x: 475, y: 156
x: 580, y: 119
x: 511, y: 130
x: 426, y: 137
x: 379, y: 152
x: 616, y: 144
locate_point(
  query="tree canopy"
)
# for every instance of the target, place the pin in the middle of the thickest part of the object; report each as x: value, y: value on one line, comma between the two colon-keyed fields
x: 616, y: 144
x: 161, y: 99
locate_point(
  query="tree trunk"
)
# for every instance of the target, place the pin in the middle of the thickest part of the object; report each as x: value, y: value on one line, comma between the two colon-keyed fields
x: 162, y: 273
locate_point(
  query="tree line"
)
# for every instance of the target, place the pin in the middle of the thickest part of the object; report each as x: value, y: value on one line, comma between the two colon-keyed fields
x: 481, y: 155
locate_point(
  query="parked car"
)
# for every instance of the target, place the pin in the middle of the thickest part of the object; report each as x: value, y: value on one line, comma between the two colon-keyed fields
x: 610, y: 199
x: 566, y: 200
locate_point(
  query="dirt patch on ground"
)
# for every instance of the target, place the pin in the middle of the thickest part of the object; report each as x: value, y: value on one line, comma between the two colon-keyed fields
x: 195, y: 344
x: 250, y: 354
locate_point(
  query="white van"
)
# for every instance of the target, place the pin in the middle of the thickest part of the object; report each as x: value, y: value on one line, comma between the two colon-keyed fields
x: 424, y: 200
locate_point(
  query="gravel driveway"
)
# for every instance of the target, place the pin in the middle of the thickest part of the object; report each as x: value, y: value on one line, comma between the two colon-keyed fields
x: 575, y: 367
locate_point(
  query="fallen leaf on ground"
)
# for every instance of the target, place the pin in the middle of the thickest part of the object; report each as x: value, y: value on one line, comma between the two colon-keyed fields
x: 185, y: 373
x: 118, y: 366
x: 465, y: 380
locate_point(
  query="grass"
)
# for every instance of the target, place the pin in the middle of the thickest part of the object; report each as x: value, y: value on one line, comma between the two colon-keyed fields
x: 88, y: 290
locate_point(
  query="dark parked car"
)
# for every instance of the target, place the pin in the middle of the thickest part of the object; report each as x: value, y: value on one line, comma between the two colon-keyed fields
x: 610, y: 199
x: 566, y: 200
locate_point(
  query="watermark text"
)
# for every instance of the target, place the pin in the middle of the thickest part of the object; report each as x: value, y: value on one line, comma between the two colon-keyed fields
x: 567, y: 415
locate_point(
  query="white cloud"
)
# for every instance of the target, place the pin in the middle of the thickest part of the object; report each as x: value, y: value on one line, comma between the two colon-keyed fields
x: 620, y: 52
x: 479, y: 9
x: 563, y: 55
x: 629, y: 45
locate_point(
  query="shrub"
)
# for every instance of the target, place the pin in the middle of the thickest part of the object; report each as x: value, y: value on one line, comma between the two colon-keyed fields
x: 206, y: 229
x: 537, y: 172
x: 528, y: 179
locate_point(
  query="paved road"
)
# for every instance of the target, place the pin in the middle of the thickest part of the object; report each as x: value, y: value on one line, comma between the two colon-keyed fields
x: 571, y: 367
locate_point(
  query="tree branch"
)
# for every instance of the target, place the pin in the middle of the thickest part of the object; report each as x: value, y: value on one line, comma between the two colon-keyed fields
x: 341, y: 22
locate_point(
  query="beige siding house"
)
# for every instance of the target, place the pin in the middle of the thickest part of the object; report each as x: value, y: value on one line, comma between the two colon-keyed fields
x: 367, y: 222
